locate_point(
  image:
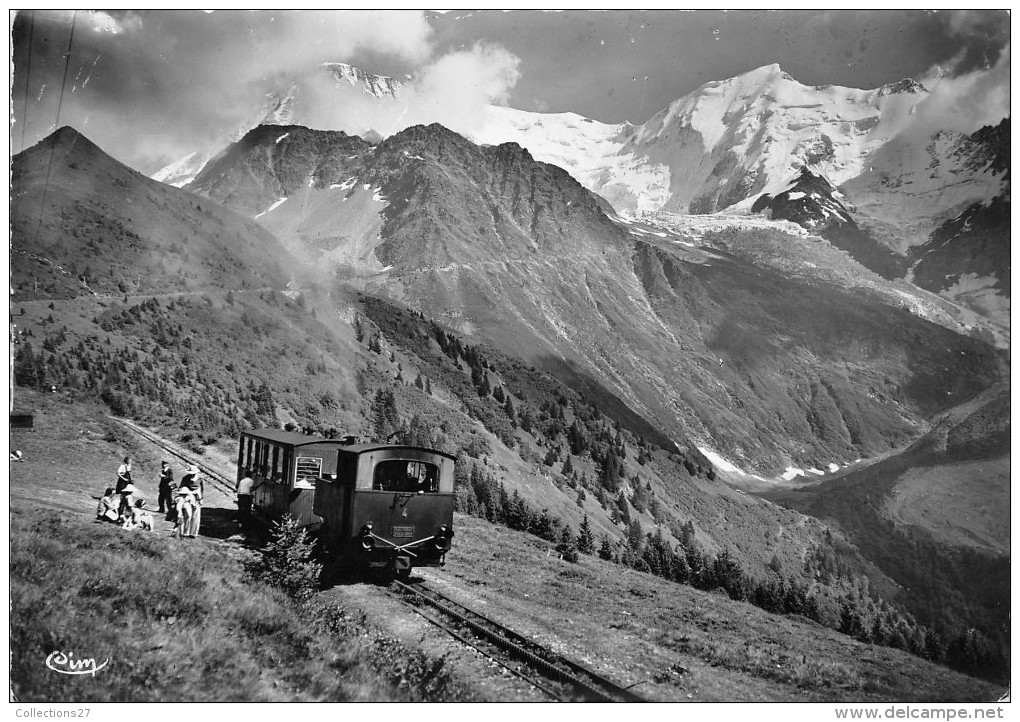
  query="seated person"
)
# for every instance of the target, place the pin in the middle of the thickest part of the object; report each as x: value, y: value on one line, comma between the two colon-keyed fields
x: 107, y: 509
x: 127, y: 501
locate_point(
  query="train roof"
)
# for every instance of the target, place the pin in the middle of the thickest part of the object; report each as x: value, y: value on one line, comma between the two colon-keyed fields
x: 290, y: 438
x: 293, y: 438
x: 364, y: 448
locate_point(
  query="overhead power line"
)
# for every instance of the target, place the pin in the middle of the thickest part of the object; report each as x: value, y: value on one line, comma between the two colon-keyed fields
x: 60, y: 103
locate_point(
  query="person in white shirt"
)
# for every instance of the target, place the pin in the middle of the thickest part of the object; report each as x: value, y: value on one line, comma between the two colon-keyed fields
x: 193, y: 482
x: 123, y: 474
x: 244, y: 498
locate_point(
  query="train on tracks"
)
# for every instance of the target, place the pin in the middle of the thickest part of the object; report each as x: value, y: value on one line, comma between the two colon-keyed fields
x: 376, y: 508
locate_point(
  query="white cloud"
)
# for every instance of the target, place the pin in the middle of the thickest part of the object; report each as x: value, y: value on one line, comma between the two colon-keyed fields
x: 102, y: 22
x: 96, y: 21
x: 966, y: 102
x: 453, y: 90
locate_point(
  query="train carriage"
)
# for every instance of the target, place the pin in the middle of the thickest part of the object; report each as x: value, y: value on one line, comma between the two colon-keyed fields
x: 380, y: 507
x: 285, y: 468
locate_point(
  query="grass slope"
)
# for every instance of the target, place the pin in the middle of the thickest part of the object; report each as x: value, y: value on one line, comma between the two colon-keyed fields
x: 178, y: 619
x: 674, y: 642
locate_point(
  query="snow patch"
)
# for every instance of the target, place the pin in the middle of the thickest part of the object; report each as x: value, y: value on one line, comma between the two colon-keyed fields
x: 792, y: 472
x: 281, y: 138
x: 833, y: 467
x: 346, y: 185
x: 272, y: 207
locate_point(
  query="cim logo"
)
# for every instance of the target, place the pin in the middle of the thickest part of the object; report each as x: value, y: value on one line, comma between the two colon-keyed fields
x: 65, y: 663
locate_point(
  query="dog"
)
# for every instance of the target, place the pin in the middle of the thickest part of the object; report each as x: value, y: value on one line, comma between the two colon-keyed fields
x: 142, y: 517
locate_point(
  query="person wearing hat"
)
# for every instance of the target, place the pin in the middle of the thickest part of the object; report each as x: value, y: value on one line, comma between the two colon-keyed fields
x: 195, y: 485
x: 166, y: 490
x: 185, y: 506
x: 193, y: 480
x: 127, y: 501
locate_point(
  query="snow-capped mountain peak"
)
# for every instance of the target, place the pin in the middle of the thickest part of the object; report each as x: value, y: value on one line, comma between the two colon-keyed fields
x: 379, y: 86
x: 907, y: 85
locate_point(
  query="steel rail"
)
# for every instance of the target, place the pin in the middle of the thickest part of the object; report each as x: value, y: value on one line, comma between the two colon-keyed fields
x: 481, y: 650
x: 580, y: 681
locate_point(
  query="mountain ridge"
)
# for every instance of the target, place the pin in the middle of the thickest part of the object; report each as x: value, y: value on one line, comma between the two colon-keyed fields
x: 516, y: 252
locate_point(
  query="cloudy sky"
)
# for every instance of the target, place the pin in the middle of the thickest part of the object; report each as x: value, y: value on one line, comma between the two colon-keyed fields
x: 151, y: 86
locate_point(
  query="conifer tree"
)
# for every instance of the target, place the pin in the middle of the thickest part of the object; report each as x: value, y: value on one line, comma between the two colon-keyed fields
x: 606, y: 549
x: 585, y: 537
x: 635, y: 536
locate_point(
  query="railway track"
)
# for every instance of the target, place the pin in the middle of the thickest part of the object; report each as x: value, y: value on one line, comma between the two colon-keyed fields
x: 218, y: 480
x: 552, y: 673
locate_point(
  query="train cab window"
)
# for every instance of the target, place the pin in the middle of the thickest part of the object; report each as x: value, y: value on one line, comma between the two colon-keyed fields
x: 406, y: 476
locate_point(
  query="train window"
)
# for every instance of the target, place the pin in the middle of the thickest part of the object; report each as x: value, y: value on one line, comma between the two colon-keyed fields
x: 308, y: 470
x: 405, y: 476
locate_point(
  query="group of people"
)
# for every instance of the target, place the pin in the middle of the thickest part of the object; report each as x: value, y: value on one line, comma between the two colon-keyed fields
x: 120, y: 505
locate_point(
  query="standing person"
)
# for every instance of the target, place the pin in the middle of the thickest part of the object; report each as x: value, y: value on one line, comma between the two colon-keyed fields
x: 123, y: 474
x: 193, y: 481
x: 184, y: 508
x: 244, y: 494
x: 166, y: 490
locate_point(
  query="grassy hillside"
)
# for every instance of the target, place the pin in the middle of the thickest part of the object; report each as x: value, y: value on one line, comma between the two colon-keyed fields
x: 178, y: 620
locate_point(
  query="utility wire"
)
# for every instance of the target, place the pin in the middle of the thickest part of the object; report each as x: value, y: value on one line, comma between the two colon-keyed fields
x: 28, y: 75
x: 60, y: 102
x: 67, y: 63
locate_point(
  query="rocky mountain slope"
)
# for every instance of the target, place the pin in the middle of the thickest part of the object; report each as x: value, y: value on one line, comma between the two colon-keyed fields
x: 767, y: 371
x: 286, y: 104
x: 83, y: 223
x: 740, y: 145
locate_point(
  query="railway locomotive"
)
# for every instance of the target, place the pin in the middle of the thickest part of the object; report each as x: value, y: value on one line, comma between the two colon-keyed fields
x: 377, y: 508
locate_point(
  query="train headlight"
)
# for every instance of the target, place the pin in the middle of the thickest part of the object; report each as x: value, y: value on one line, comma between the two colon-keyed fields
x: 366, y: 539
x: 443, y: 538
